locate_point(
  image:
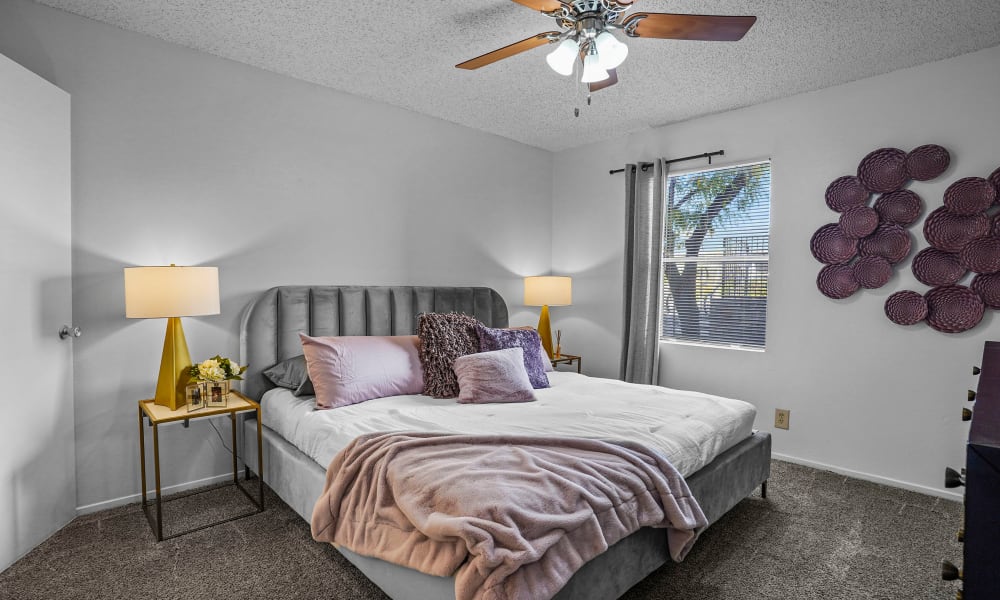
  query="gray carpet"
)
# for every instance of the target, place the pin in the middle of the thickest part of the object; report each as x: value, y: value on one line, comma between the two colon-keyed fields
x: 817, y: 535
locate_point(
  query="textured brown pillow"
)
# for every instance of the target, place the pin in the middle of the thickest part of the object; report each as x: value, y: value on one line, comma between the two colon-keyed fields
x: 443, y: 338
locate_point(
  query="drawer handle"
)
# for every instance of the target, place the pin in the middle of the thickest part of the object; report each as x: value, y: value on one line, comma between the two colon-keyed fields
x: 952, y: 478
x: 949, y: 572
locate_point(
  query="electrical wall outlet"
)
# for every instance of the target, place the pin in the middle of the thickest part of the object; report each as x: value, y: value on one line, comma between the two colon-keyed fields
x: 781, y: 416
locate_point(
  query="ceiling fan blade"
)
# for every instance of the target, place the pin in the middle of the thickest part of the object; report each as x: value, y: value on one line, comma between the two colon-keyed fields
x: 600, y: 85
x: 507, y: 51
x: 542, y: 5
x: 707, y: 28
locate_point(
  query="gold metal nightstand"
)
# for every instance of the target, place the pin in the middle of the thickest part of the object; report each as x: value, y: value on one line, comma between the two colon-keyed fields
x: 568, y: 359
x: 158, y: 415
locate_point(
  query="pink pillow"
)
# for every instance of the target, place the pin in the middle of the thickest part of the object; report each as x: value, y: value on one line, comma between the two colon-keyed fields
x: 350, y: 369
x: 492, y: 377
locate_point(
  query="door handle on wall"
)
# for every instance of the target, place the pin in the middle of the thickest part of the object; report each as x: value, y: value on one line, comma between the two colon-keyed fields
x: 67, y: 332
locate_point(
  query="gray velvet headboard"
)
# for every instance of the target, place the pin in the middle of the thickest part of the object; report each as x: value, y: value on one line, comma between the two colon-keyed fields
x: 269, y: 332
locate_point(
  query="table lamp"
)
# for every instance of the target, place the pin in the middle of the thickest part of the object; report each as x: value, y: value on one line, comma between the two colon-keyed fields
x: 171, y: 292
x: 546, y: 291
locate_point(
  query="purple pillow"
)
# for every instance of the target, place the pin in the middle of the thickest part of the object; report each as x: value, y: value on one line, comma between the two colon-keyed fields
x: 443, y: 338
x: 346, y: 370
x: 493, y: 377
x: 545, y: 355
x: 525, y: 339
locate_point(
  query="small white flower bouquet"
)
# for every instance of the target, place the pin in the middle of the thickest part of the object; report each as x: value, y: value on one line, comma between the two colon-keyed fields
x: 212, y: 378
x: 217, y: 368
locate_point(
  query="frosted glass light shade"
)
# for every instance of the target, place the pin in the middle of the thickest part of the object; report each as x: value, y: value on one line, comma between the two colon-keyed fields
x: 163, y: 292
x: 548, y: 291
x: 592, y: 69
x: 562, y: 58
x: 610, y: 51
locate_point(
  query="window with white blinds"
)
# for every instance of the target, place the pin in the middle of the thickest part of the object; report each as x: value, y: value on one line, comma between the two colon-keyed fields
x: 715, y: 256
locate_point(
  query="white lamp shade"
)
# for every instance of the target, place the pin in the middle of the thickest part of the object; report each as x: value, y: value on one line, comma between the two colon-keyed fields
x: 548, y: 291
x: 562, y: 58
x: 163, y: 292
x: 592, y: 69
x: 610, y: 51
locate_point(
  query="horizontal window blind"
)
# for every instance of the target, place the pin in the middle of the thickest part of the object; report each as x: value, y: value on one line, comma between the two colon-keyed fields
x: 715, y: 256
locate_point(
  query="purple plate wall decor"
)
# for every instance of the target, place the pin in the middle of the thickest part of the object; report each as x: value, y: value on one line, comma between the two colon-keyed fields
x: 836, y: 281
x: 933, y: 267
x: 927, y: 162
x: 872, y: 271
x: 858, y: 221
x: 883, y: 170
x: 988, y: 288
x: 845, y: 192
x: 981, y: 256
x: 861, y: 249
x: 891, y: 242
x: 901, y: 207
x: 906, y: 308
x: 953, y: 308
x: 830, y: 246
x: 949, y: 232
x: 994, y: 178
x: 969, y: 195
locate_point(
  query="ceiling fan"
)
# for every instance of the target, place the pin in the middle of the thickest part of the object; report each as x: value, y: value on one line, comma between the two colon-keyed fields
x: 586, y: 27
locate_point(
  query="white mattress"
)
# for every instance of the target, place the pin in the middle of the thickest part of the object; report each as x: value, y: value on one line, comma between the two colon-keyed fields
x: 690, y: 428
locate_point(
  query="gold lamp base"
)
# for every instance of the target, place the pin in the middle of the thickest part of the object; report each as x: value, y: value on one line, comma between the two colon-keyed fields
x: 545, y: 329
x: 175, y: 365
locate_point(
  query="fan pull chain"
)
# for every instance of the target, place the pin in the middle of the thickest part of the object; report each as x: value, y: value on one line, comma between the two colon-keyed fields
x: 576, y: 111
x: 576, y: 84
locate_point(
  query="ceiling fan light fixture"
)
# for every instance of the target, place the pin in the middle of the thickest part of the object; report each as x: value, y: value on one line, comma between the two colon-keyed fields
x: 562, y: 58
x: 592, y: 69
x: 610, y: 51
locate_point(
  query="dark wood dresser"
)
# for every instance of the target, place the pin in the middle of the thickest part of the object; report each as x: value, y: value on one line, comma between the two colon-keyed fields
x: 980, y: 573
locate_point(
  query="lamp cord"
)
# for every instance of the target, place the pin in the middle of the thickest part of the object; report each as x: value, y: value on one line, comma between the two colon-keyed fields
x: 221, y: 440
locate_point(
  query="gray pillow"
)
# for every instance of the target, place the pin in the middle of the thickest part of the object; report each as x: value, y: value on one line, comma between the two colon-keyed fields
x: 292, y: 374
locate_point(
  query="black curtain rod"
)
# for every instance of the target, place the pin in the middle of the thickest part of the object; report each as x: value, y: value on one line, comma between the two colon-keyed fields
x: 707, y: 155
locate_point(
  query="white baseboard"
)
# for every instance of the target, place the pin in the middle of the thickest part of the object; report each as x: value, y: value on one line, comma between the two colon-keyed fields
x: 873, y: 478
x: 134, y: 498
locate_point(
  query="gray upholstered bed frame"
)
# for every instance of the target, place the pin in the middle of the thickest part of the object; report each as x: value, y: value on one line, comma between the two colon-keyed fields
x: 269, y: 334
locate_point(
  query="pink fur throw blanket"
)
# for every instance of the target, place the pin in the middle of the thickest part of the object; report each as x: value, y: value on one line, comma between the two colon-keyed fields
x: 510, y: 517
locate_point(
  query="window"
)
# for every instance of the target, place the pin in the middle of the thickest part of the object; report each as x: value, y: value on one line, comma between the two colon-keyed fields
x: 715, y: 256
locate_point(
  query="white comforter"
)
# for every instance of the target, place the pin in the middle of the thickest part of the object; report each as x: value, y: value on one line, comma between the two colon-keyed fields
x: 690, y: 428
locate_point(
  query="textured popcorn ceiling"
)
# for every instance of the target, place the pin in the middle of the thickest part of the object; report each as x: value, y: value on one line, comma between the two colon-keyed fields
x: 404, y: 52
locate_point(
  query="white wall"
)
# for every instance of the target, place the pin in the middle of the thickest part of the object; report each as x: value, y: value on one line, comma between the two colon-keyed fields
x: 866, y: 395
x: 186, y: 158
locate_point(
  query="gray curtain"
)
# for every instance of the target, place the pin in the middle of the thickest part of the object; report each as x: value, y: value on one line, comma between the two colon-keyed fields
x: 643, y: 271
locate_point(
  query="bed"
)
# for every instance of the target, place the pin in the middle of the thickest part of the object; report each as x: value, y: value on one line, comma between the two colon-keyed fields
x: 296, y: 451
